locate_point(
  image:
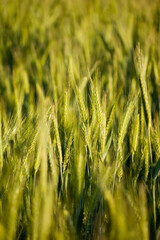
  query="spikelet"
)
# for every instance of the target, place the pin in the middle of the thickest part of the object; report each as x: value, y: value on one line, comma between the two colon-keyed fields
x: 142, y: 121
x: 135, y: 134
x: 98, y: 107
x: 66, y: 106
x: 125, y: 123
x: 107, y: 147
x: 33, y: 144
x: 103, y: 135
x: 53, y: 163
x: 85, y: 130
x: 81, y: 106
x: 120, y: 172
x: 146, y: 160
x: 84, y: 134
x: 58, y: 141
x: 140, y: 69
x: 110, y: 118
x: 156, y: 144
x: 42, y: 150
x: 96, y: 102
x: 67, y: 151
x: 119, y: 164
x: 18, y: 95
x: 138, y: 166
x: 37, y: 163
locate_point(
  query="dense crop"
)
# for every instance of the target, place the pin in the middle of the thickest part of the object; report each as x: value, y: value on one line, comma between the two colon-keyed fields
x: 79, y: 119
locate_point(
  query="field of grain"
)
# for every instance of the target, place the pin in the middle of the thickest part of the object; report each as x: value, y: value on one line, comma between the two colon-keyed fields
x: 79, y: 119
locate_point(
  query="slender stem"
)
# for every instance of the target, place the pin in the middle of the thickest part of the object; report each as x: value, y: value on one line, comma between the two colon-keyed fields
x: 115, y: 171
x: 154, y: 182
x: 154, y: 205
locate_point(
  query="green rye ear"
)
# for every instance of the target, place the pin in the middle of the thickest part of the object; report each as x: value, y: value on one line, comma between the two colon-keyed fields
x: 141, y: 75
x: 124, y: 126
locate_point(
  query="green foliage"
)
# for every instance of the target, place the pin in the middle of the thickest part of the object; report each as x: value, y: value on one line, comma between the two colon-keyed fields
x: 79, y: 135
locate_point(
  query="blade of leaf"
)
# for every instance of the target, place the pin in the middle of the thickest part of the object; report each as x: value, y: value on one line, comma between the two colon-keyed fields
x: 156, y: 170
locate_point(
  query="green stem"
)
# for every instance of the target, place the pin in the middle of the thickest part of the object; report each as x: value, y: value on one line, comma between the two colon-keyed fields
x: 154, y: 205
